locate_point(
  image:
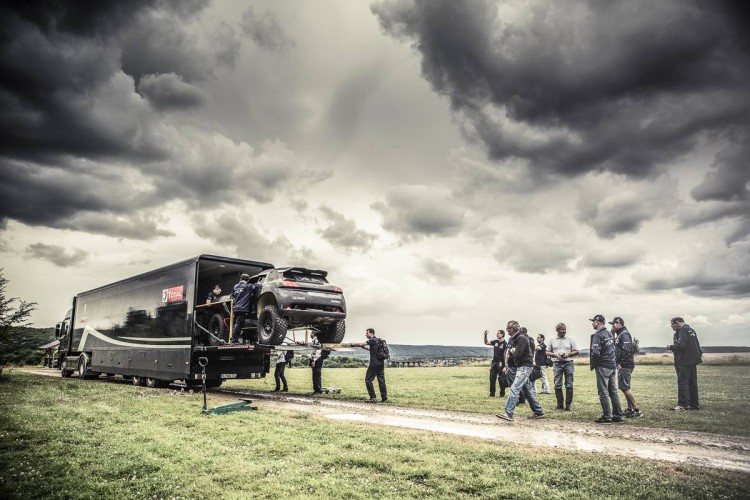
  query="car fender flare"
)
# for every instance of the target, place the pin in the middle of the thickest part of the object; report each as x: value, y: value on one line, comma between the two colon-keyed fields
x: 267, y: 299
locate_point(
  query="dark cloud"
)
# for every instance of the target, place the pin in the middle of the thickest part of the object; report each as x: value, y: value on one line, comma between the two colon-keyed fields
x: 264, y: 30
x: 576, y: 86
x: 168, y: 92
x: 727, y: 189
x: 537, y: 257
x: 343, y: 233
x: 723, y: 273
x: 437, y: 271
x: 241, y: 233
x: 56, y: 254
x: 415, y: 211
x: 613, y: 255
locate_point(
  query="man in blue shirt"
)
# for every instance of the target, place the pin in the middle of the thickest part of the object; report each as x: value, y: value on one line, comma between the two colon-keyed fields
x: 602, y: 359
x: 243, y: 294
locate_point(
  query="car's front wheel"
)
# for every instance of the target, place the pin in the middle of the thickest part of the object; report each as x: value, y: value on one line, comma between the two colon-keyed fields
x: 333, y: 333
x: 271, y: 326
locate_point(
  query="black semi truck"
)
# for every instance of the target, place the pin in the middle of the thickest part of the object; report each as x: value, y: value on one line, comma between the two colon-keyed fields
x: 152, y: 327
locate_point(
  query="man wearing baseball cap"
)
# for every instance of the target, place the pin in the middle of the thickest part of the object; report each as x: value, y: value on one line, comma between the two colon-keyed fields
x: 624, y: 359
x: 602, y: 359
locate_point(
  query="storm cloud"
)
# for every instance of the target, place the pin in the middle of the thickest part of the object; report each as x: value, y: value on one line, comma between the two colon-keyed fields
x: 56, y: 254
x: 343, y: 233
x: 417, y: 211
x: 578, y: 86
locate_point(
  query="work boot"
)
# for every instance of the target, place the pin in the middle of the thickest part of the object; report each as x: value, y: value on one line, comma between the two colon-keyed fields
x: 568, y: 398
x: 559, y: 396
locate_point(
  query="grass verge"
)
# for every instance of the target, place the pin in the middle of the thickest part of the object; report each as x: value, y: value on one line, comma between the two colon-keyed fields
x: 63, y: 438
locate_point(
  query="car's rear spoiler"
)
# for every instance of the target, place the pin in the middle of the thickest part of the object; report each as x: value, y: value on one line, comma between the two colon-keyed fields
x: 307, y: 271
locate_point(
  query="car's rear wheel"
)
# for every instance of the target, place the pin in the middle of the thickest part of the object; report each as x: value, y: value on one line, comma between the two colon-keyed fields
x: 333, y: 333
x: 218, y: 328
x: 271, y: 326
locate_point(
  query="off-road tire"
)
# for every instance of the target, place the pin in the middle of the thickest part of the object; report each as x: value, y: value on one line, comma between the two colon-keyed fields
x: 138, y: 381
x: 218, y: 329
x: 333, y: 333
x: 272, y: 327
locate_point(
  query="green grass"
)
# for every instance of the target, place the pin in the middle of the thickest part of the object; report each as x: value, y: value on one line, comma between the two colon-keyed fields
x: 63, y: 438
x: 723, y: 393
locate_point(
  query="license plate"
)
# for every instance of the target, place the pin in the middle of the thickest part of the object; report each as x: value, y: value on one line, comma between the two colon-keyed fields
x: 318, y: 294
x: 228, y: 375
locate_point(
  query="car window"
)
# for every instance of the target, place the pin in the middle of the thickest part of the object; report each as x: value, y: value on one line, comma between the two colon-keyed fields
x: 304, y: 278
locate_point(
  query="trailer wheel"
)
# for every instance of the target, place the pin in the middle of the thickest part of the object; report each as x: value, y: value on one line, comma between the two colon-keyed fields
x: 271, y: 326
x: 64, y: 372
x: 218, y: 328
x: 82, y: 367
x: 137, y: 381
x: 152, y: 383
x: 333, y: 333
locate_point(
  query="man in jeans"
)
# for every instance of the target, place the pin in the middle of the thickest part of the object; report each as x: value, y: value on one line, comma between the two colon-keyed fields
x: 687, y: 356
x: 520, y: 357
x: 562, y: 349
x: 602, y: 359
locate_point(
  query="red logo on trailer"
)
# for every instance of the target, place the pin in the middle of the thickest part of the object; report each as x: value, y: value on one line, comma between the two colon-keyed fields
x: 174, y: 294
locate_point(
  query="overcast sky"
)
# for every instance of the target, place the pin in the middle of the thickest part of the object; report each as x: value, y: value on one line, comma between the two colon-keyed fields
x: 453, y: 165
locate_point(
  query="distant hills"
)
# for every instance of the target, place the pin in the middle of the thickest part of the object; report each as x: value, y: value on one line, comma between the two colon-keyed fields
x: 402, y: 352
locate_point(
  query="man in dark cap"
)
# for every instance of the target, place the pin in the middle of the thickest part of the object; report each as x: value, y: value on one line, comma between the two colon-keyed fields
x: 624, y: 358
x: 602, y: 359
x: 687, y: 356
x: 243, y: 294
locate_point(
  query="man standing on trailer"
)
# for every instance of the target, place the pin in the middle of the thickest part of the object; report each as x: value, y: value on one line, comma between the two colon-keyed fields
x: 243, y: 294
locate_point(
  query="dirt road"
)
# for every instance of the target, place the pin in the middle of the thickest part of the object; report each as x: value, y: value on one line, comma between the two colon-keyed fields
x: 696, y: 448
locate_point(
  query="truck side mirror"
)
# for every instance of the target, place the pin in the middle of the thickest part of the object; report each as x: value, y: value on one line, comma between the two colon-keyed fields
x: 58, y: 329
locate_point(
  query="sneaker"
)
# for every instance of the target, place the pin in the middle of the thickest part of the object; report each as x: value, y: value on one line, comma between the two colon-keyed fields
x: 546, y: 392
x: 568, y: 407
x: 491, y: 396
x: 693, y: 408
x: 505, y: 416
x: 603, y: 420
x: 384, y: 400
x: 285, y: 389
x: 634, y: 414
x: 559, y: 407
x: 276, y: 390
x: 373, y: 400
x: 679, y: 408
x: 502, y: 394
x: 538, y: 415
x: 617, y: 420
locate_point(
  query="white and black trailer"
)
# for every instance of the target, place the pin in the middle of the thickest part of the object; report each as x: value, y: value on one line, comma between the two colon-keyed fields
x: 153, y: 327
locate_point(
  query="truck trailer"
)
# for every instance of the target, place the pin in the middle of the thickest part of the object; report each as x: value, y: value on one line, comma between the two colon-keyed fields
x: 151, y: 328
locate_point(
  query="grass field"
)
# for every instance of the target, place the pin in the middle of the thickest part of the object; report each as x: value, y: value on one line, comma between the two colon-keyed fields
x: 723, y: 392
x: 65, y: 438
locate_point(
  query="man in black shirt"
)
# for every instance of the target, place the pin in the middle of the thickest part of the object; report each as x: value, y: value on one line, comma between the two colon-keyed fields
x: 520, y: 357
x: 243, y: 294
x: 687, y: 356
x: 498, y: 362
x: 375, y: 369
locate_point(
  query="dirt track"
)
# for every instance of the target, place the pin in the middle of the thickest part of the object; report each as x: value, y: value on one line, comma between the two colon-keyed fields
x: 696, y: 448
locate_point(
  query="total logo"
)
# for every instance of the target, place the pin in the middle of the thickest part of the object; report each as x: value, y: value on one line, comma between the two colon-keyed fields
x: 174, y: 294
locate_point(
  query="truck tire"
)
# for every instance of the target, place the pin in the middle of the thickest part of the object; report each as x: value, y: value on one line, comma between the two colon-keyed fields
x: 82, y: 368
x: 333, y: 333
x: 64, y: 372
x: 218, y: 328
x: 271, y: 326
